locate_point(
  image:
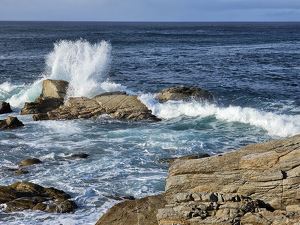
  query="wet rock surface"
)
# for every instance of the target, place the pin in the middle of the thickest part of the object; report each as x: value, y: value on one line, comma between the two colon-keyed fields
x: 10, y: 122
x: 184, y: 94
x: 29, y: 162
x: 25, y: 195
x: 5, y: 108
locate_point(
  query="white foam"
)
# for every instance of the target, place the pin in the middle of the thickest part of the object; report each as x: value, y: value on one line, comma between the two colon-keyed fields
x: 275, y: 124
x: 82, y: 64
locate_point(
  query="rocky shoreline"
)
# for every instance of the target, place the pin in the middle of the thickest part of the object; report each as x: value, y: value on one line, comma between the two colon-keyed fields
x: 257, y: 184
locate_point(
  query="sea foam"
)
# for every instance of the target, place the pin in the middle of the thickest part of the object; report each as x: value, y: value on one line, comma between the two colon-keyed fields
x: 82, y: 64
x: 275, y: 124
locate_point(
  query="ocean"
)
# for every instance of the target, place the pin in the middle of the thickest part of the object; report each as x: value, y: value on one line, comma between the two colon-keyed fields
x: 252, y: 69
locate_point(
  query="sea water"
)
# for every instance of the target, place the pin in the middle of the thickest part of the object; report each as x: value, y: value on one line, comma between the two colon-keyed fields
x: 252, y: 69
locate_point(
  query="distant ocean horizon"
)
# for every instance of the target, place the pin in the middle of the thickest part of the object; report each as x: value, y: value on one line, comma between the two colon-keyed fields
x: 251, y: 68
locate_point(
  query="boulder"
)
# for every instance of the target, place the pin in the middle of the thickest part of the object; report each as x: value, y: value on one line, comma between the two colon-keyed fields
x: 141, y: 211
x: 5, y: 108
x: 10, y: 122
x: 184, y: 94
x: 54, y: 88
x: 29, y: 162
x: 25, y: 195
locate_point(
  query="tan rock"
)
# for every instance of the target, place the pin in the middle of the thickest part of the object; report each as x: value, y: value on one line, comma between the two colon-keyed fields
x: 184, y: 94
x: 54, y: 88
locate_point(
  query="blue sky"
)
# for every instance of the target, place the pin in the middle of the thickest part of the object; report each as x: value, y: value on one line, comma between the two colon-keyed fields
x: 150, y: 10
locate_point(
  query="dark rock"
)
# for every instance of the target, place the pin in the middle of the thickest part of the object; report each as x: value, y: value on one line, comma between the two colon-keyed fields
x: 184, y: 94
x: 25, y: 195
x: 120, y: 198
x: 10, y: 123
x: 5, y: 108
x: 79, y: 155
x: 198, y: 156
x: 29, y: 162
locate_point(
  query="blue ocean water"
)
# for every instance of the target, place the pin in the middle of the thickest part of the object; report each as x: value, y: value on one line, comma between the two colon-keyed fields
x: 251, y: 68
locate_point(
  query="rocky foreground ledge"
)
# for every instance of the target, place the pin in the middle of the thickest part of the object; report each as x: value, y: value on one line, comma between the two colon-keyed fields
x: 257, y: 184
x: 50, y: 104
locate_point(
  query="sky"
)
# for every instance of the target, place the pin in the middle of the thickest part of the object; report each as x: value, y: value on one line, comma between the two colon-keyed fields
x: 150, y: 10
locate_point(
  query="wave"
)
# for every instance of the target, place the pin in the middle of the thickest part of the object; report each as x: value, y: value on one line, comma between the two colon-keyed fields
x: 275, y: 124
x: 82, y: 64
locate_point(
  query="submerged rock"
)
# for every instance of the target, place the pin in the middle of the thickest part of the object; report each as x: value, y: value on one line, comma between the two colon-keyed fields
x: 25, y: 195
x: 29, y: 162
x: 10, y: 122
x: 184, y: 94
x: 198, y: 156
x: 5, y: 108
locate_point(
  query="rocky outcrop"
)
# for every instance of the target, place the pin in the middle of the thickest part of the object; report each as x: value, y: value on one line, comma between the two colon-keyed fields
x: 184, y: 94
x: 52, y: 97
x: 117, y: 104
x: 5, y: 108
x: 25, y: 195
x: 257, y: 184
x: 10, y: 122
x: 141, y: 211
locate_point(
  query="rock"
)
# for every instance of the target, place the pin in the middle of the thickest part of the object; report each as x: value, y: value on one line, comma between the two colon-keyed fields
x: 118, y: 105
x: 184, y: 94
x: 52, y: 97
x: 10, y: 123
x: 41, y: 105
x: 54, y: 88
x: 79, y: 155
x: 5, y: 108
x: 198, y: 156
x: 29, y: 162
x: 25, y: 195
x: 257, y: 184
x: 123, y: 106
x: 141, y: 211
x: 120, y: 198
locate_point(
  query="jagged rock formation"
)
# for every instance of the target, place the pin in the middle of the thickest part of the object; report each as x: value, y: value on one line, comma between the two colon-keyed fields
x: 53, y: 94
x: 257, y: 184
x: 49, y: 106
x: 117, y: 104
x: 10, y: 122
x: 25, y: 195
x: 184, y: 94
x: 5, y: 108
